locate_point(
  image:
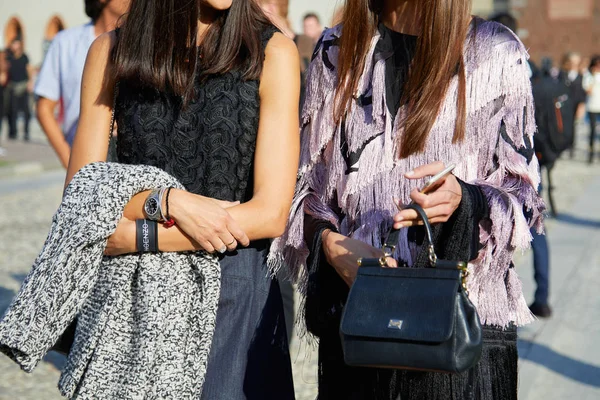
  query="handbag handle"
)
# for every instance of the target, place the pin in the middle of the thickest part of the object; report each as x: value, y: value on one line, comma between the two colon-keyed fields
x: 392, y: 239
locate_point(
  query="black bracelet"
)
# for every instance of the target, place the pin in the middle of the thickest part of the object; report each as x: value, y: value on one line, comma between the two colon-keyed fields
x: 146, y: 235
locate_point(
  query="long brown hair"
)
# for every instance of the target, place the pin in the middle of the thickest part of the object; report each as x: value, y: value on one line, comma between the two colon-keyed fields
x: 438, y: 58
x: 157, y: 44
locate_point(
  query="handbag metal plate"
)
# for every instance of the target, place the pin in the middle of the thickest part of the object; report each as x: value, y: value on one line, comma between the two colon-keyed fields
x: 395, y: 324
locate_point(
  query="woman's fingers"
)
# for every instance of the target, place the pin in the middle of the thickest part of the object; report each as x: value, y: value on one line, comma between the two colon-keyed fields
x: 426, y: 201
x: 238, y: 234
x: 207, y: 246
x: 436, y: 214
x: 391, y: 262
x: 425, y: 170
x: 229, y: 241
x: 433, y: 199
x: 218, y: 245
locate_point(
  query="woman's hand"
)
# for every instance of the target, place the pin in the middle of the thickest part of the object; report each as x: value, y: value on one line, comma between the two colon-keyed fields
x: 343, y: 253
x: 122, y: 241
x: 206, y: 221
x: 439, y: 204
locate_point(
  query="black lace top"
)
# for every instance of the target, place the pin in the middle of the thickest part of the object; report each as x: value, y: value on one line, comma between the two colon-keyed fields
x: 209, y: 146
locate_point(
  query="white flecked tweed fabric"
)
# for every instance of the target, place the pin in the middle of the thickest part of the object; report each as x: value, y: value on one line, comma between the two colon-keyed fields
x: 145, y: 322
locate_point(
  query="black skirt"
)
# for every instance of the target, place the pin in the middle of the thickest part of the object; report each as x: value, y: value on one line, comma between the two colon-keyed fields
x: 494, y: 378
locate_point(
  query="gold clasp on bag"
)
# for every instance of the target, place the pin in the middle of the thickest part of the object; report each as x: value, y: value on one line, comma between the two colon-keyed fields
x: 382, y: 261
x: 463, y: 267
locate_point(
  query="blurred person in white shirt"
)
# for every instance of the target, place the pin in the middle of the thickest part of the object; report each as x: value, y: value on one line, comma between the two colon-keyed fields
x: 591, y: 84
x: 59, y: 79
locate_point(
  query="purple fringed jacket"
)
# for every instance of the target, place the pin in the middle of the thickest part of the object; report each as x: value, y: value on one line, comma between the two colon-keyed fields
x: 498, y: 94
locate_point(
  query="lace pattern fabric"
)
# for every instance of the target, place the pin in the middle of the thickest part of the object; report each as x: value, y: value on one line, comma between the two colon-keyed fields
x: 208, y: 145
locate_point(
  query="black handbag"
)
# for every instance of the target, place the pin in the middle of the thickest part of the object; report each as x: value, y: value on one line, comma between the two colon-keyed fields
x: 411, y: 318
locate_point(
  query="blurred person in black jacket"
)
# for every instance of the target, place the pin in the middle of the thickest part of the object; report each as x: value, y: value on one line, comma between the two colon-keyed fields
x: 3, y: 94
x: 544, y: 88
x: 19, y: 78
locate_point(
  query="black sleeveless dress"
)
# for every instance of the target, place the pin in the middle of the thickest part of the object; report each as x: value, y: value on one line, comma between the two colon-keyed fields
x: 209, y: 146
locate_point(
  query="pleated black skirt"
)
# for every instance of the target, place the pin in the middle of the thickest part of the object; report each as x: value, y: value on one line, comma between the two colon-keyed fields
x: 494, y: 378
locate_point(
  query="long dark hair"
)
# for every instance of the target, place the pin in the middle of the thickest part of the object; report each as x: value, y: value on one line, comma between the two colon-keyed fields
x: 157, y: 44
x: 93, y: 9
x: 438, y: 58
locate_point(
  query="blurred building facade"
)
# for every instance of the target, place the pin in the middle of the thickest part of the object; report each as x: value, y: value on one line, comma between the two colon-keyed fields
x: 326, y: 9
x: 549, y: 28
x: 37, y: 21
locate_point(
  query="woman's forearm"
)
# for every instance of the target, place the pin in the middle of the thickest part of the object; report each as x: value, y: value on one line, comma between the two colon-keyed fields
x: 45, y: 115
x: 169, y: 239
x: 124, y: 239
x: 258, y: 219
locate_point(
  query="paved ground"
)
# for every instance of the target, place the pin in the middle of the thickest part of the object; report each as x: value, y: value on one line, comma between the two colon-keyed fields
x: 20, y: 158
x: 559, y: 356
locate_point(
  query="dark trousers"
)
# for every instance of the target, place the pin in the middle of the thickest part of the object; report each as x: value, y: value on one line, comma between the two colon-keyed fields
x: 541, y: 267
x: 593, y: 119
x: 18, y: 103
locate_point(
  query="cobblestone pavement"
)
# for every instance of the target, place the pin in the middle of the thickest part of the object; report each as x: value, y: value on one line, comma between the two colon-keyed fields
x: 25, y: 218
x: 25, y: 213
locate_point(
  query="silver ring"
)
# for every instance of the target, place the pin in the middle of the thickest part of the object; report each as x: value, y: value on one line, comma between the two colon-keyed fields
x: 222, y: 249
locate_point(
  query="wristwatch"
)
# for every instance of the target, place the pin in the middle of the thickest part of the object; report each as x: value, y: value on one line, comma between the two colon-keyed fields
x: 153, y: 205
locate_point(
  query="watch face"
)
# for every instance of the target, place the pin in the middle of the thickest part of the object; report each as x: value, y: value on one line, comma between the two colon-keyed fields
x: 151, y: 207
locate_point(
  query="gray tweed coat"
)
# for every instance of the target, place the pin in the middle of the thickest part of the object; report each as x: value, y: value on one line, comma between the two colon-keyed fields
x: 145, y: 322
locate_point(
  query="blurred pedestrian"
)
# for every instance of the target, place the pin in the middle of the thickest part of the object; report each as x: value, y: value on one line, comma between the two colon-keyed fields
x: 312, y: 26
x: 547, y: 93
x: 19, y: 75
x: 584, y: 69
x: 312, y: 30
x: 3, y: 95
x: 570, y: 75
x: 592, y: 87
x: 59, y: 80
x: 542, y: 87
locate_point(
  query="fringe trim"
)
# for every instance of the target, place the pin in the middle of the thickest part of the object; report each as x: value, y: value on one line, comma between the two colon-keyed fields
x: 498, y: 90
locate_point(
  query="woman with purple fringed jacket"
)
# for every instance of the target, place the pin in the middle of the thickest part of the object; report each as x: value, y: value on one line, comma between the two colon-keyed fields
x: 395, y: 93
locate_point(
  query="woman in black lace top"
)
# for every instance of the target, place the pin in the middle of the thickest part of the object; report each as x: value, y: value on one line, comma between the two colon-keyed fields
x: 208, y: 91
